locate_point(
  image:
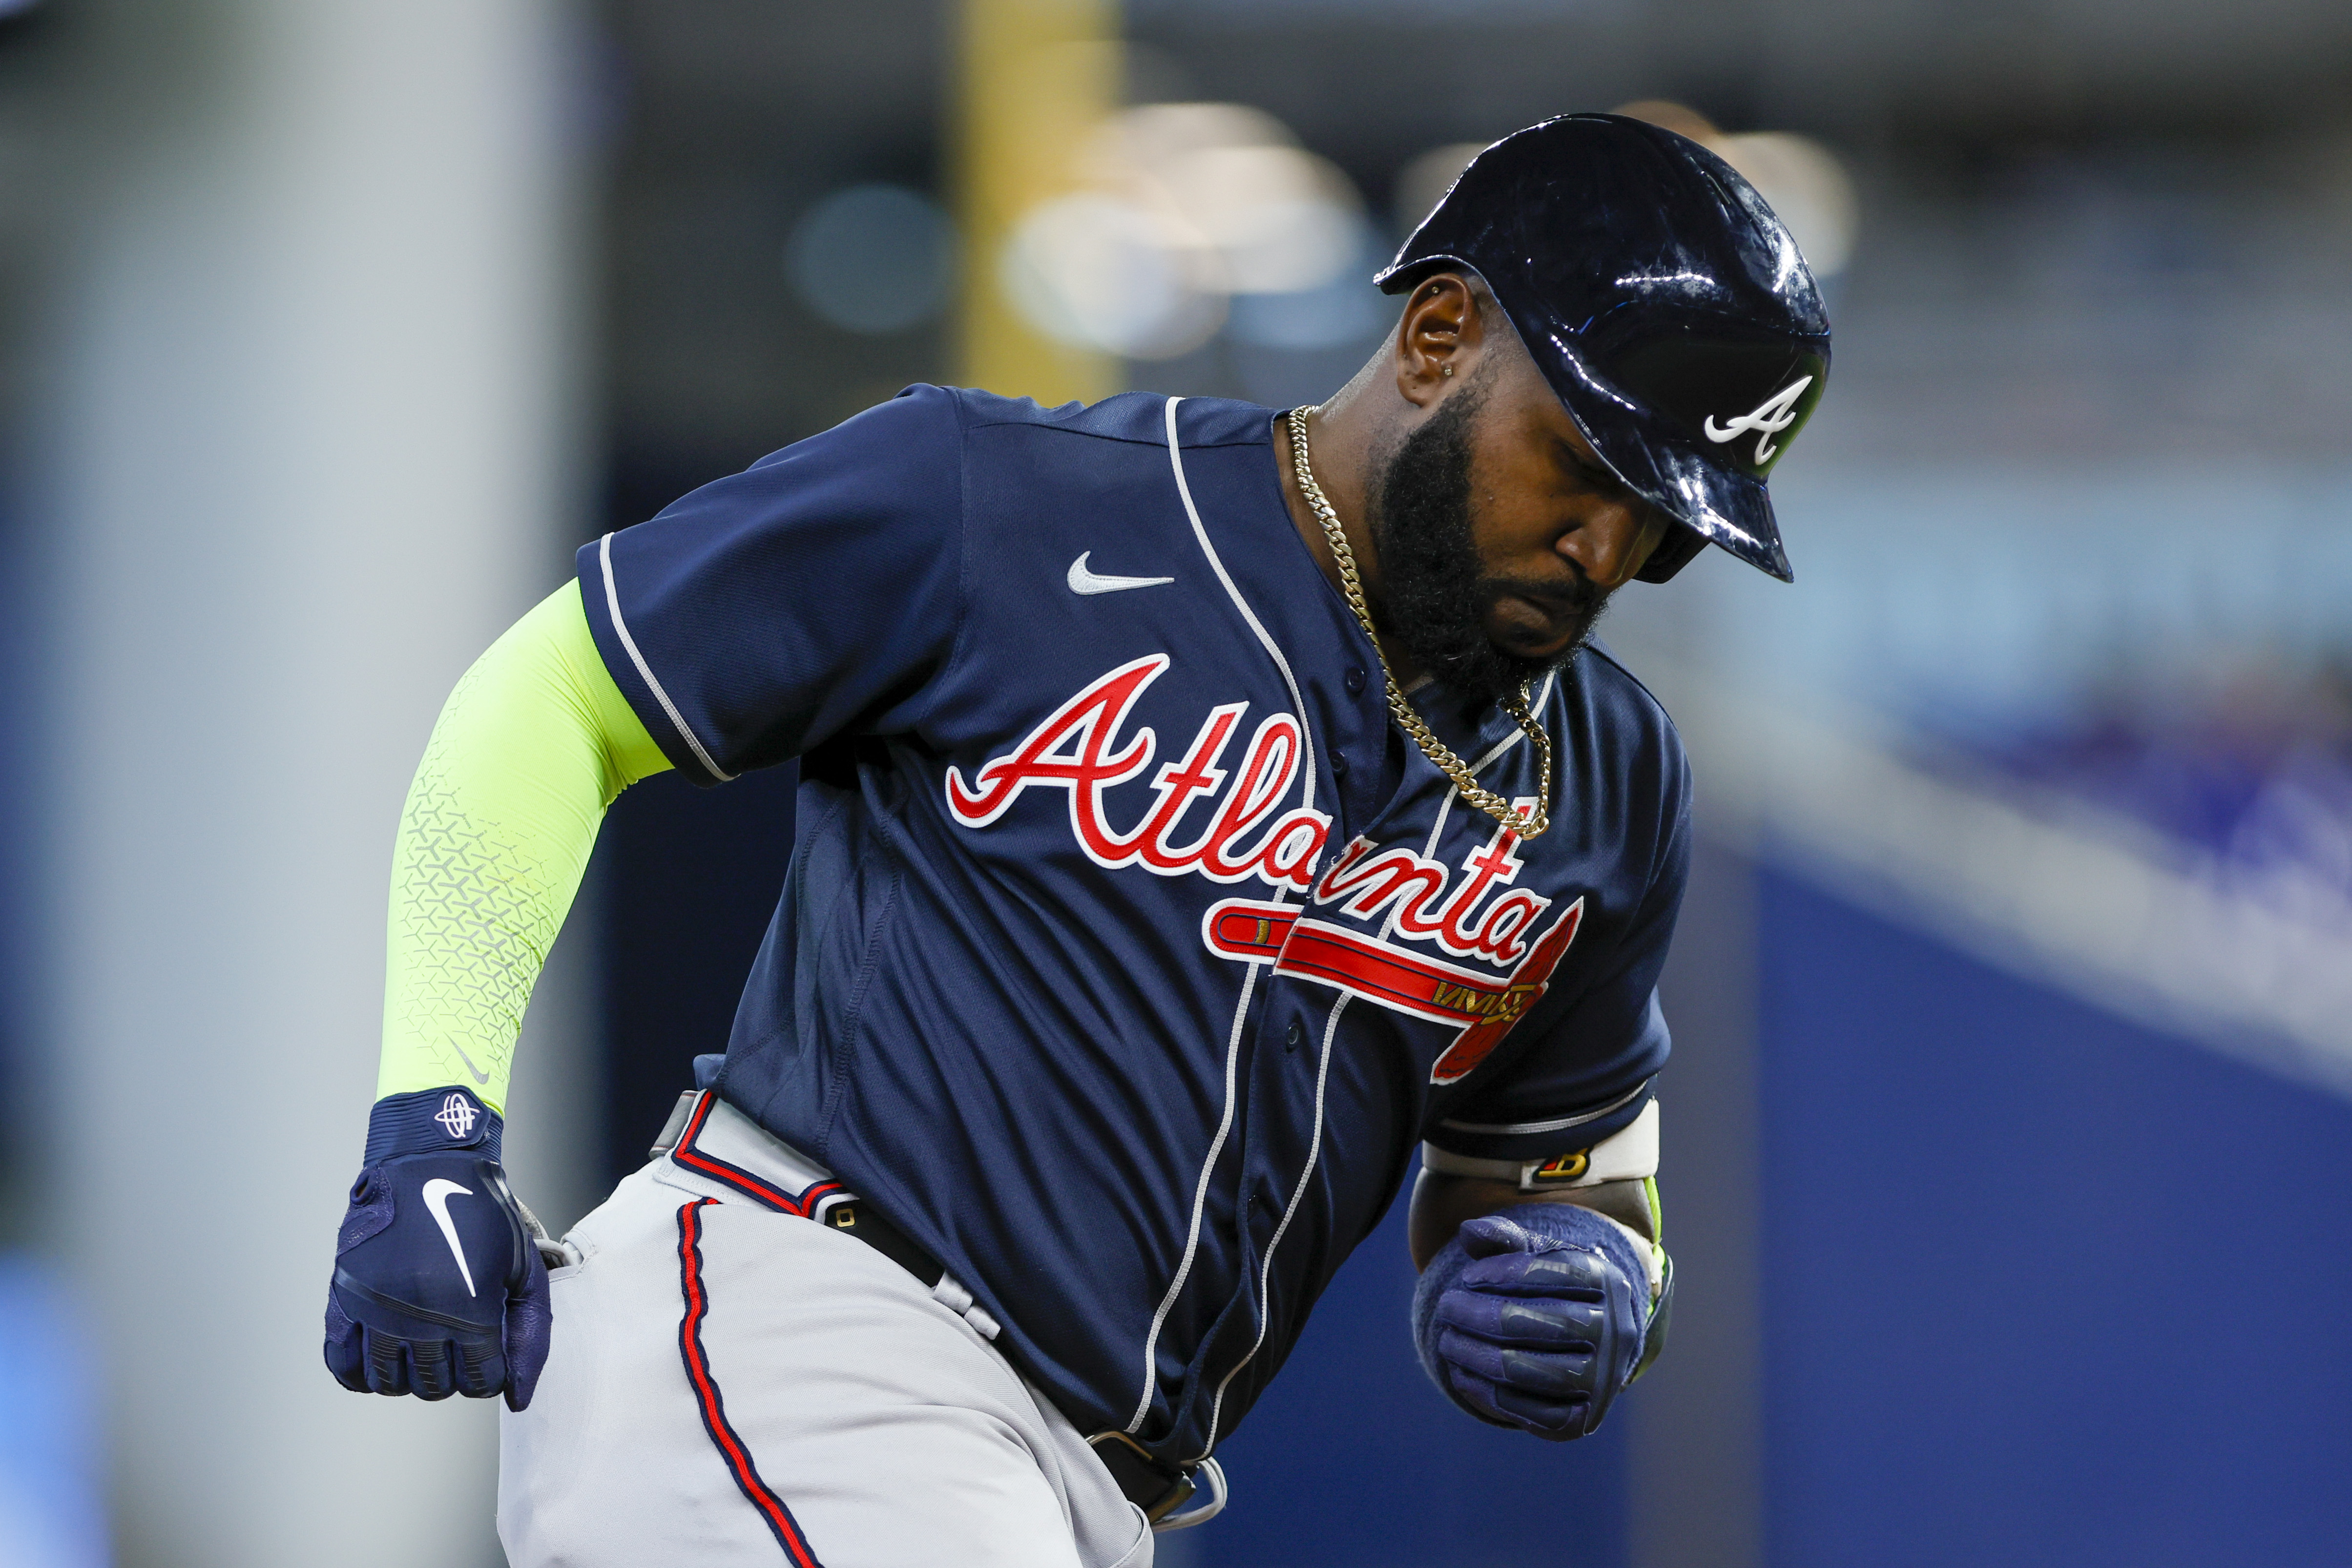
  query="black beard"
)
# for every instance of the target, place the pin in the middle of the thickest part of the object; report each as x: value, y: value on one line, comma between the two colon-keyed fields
x: 1435, y: 592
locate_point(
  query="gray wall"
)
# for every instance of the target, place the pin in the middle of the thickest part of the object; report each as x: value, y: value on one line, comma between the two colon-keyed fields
x: 309, y: 446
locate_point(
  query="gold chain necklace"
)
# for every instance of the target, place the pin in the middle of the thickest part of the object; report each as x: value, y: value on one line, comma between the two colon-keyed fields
x: 1436, y: 750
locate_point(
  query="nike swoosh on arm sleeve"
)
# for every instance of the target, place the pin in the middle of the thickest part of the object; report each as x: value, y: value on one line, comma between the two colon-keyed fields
x: 531, y: 747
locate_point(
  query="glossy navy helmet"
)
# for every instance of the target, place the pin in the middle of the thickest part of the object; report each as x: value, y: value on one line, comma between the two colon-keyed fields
x: 1663, y: 301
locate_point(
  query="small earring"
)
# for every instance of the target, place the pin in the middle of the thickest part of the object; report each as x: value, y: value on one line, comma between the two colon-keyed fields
x: 1447, y: 369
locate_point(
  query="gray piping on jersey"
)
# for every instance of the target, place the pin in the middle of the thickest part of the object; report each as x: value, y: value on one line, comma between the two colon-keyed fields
x: 613, y: 608
x: 1200, y: 1201
x: 1322, y: 1074
x: 1322, y: 1077
x: 1249, y: 976
x: 1557, y: 1123
x: 1298, y: 1194
x: 1297, y: 702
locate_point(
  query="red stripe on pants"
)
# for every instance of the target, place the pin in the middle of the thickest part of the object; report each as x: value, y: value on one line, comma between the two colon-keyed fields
x: 731, y: 1446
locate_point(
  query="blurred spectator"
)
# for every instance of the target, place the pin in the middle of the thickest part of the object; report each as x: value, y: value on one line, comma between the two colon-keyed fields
x: 2249, y: 775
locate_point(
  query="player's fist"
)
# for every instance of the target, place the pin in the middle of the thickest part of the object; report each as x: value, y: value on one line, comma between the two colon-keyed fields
x: 1534, y: 1320
x: 439, y: 1287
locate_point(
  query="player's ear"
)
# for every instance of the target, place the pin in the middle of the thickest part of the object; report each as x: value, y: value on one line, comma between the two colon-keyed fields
x: 1438, y: 338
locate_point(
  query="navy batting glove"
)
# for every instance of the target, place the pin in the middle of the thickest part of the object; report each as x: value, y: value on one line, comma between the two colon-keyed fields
x: 1534, y: 1320
x: 439, y: 1287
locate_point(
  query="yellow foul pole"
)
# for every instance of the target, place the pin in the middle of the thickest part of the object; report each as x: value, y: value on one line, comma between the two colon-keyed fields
x: 1037, y: 77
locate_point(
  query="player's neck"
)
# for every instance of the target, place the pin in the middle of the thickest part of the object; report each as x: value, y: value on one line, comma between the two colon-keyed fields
x: 1339, y: 443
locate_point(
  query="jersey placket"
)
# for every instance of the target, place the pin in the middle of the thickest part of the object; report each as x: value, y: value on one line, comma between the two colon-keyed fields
x: 1279, y: 1087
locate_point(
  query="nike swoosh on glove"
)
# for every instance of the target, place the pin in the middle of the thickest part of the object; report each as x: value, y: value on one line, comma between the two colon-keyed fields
x: 1534, y: 1319
x: 439, y: 1287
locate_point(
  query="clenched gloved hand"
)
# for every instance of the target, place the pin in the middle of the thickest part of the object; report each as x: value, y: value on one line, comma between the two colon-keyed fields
x: 1538, y: 1319
x: 439, y: 1287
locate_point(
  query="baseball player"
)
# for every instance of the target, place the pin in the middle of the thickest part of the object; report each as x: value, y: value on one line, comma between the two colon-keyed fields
x: 1202, y: 809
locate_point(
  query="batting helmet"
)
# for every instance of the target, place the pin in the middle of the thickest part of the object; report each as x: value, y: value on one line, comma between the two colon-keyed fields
x: 1663, y: 301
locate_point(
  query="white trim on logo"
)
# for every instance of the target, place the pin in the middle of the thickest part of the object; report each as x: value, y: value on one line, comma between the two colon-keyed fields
x: 1085, y: 582
x: 1767, y: 419
x: 437, y: 1193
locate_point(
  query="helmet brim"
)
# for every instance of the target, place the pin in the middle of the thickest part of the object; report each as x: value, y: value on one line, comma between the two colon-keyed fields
x: 1731, y: 511
x: 1652, y: 455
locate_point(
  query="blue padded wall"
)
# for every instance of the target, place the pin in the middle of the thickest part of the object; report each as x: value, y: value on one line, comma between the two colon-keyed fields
x: 1353, y: 1457
x: 2041, y: 1287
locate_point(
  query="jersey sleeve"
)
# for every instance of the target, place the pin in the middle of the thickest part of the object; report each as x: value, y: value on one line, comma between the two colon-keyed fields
x: 816, y: 594
x: 1590, y: 1073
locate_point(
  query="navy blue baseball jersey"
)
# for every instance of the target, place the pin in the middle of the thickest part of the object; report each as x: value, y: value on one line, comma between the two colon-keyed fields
x: 1128, y: 947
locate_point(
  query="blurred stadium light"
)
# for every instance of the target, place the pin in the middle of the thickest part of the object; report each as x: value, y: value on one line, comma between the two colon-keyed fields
x: 1272, y: 217
x: 1096, y: 272
x: 1185, y: 205
x: 1036, y: 78
x: 874, y: 258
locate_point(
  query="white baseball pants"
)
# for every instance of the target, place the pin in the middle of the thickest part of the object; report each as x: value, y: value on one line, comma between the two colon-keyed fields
x: 730, y: 1383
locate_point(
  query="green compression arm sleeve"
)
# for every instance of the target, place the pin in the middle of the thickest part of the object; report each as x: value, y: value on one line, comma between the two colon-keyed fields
x: 531, y: 747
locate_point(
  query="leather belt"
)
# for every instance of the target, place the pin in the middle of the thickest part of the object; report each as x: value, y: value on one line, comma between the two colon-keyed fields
x: 855, y: 1216
x: 1157, y: 1488
x: 822, y: 1200
x: 1152, y: 1484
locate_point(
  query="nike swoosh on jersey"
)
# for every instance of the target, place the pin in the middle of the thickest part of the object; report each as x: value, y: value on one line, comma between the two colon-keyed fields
x: 479, y: 1076
x: 1085, y: 582
x: 437, y: 1193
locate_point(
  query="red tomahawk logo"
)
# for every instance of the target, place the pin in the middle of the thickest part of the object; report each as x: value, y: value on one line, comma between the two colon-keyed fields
x: 1406, y: 982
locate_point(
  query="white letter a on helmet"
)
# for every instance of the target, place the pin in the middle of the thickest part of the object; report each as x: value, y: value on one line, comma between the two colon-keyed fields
x: 1767, y: 419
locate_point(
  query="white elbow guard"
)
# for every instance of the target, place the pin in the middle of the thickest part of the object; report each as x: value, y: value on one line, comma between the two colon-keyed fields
x: 1629, y: 1154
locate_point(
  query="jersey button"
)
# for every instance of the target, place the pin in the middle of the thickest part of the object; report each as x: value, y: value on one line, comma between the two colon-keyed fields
x: 1355, y: 681
x: 1338, y: 765
x: 1290, y: 1041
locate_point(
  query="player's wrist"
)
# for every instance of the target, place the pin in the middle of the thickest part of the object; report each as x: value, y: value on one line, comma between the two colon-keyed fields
x: 432, y: 1121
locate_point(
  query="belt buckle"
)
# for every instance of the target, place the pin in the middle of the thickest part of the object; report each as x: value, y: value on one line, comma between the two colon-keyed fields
x: 1157, y: 1488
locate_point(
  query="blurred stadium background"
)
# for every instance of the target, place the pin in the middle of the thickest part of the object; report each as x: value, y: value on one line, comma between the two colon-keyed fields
x: 2011, y: 1117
